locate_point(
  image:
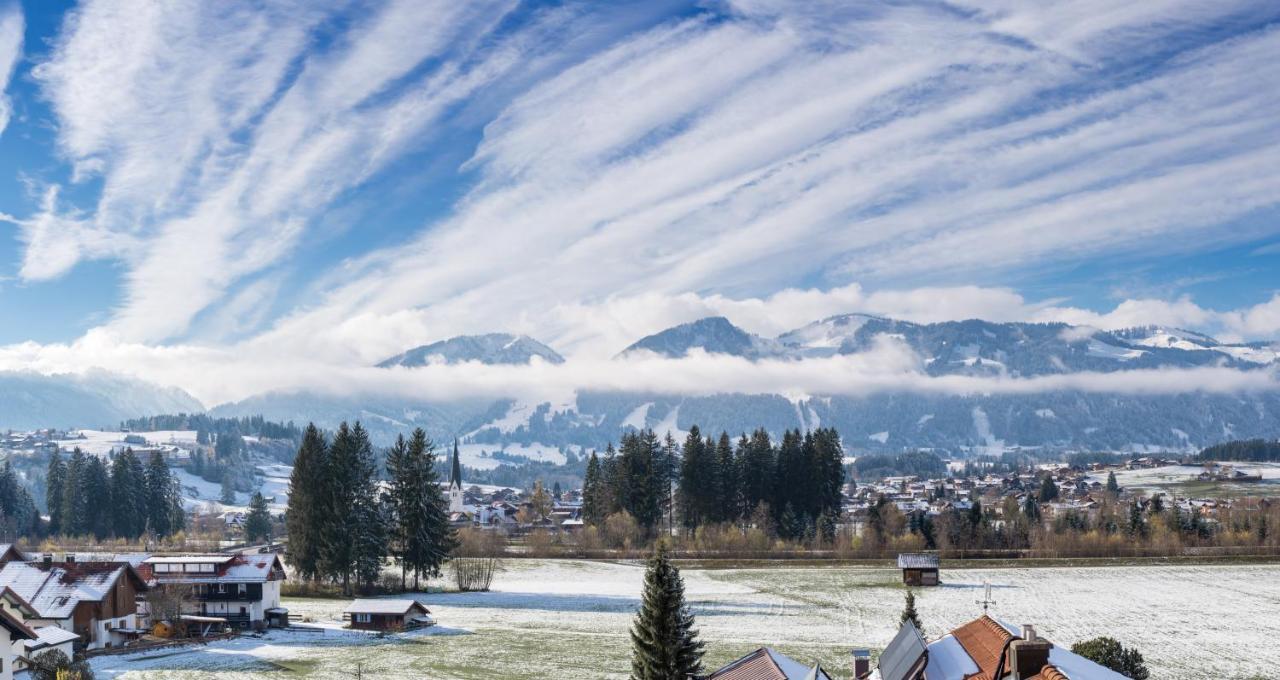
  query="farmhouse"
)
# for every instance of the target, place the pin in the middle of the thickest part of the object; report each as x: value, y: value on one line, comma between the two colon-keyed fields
x: 919, y: 569
x: 95, y: 600
x: 985, y: 648
x: 768, y: 664
x: 242, y: 589
x: 379, y: 614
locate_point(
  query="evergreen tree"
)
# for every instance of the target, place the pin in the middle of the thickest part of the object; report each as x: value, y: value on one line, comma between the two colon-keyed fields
x: 697, y: 475
x: 74, y: 501
x: 434, y: 535
x: 228, y: 492
x: 592, y: 492
x: 97, y: 486
x: 306, y: 503
x: 257, y: 524
x: 909, y: 613
x: 664, y: 643
x: 54, y: 479
x: 129, y: 494
x: 728, y: 507
x: 757, y: 470
x: 159, y: 486
x: 1048, y: 490
x: 641, y: 461
x: 1113, y: 487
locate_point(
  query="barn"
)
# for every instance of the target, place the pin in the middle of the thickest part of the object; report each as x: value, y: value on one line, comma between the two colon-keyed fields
x: 380, y: 614
x: 918, y: 569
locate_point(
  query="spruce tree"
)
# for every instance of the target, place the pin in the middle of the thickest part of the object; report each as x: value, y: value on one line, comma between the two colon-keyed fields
x: 127, y: 492
x: 757, y: 471
x: 74, y: 501
x: 1113, y: 487
x: 97, y: 487
x: 726, y: 484
x: 695, y: 480
x: 909, y: 613
x: 54, y: 479
x: 158, y: 484
x: 1048, y: 490
x: 401, y: 487
x: 433, y: 536
x: 257, y: 523
x: 664, y: 643
x: 592, y: 490
x: 306, y: 499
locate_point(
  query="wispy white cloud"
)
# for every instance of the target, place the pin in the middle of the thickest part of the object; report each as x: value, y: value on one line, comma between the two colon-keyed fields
x: 755, y: 165
x: 12, y: 27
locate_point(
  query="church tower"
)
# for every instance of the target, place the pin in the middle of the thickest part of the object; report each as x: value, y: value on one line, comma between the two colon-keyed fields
x: 455, y: 483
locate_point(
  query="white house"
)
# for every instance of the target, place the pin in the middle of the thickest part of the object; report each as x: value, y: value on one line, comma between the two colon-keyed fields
x: 12, y: 633
x: 243, y: 589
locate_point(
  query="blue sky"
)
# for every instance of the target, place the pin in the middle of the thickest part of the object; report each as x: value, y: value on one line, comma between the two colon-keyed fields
x: 349, y: 179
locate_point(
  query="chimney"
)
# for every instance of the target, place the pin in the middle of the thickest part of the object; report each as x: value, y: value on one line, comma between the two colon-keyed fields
x: 1028, y: 655
x: 861, y: 663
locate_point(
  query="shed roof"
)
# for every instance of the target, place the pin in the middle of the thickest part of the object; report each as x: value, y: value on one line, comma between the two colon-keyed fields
x: 384, y: 606
x: 917, y: 561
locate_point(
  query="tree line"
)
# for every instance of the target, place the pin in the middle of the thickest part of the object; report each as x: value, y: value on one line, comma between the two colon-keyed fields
x: 793, y: 488
x: 1249, y: 450
x: 342, y: 526
x: 207, y: 427
x: 119, y: 497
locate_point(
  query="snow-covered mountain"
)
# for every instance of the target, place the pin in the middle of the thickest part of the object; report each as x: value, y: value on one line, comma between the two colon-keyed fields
x: 714, y: 334
x: 95, y: 399
x: 492, y: 348
x: 972, y: 347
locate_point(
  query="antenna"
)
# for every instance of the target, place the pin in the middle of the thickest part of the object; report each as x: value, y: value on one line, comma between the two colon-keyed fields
x: 986, y: 598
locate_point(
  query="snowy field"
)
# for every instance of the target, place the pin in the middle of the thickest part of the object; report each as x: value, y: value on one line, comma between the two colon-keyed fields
x: 569, y: 619
x: 1182, y: 480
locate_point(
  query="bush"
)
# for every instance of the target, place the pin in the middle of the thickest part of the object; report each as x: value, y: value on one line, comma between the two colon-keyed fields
x: 1110, y: 653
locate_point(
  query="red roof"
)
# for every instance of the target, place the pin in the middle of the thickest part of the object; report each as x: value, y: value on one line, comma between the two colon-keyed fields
x: 983, y: 639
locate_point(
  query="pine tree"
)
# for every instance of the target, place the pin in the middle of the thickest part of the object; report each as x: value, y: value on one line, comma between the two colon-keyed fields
x: 257, y: 523
x: 696, y: 477
x: 228, y: 493
x: 727, y: 507
x: 54, y: 479
x: 434, y: 538
x: 1113, y: 487
x: 664, y: 643
x: 128, y: 496
x: 757, y: 470
x: 306, y: 503
x: 97, y: 486
x: 909, y: 613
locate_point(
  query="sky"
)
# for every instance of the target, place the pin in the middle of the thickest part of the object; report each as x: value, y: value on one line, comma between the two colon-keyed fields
x: 233, y: 197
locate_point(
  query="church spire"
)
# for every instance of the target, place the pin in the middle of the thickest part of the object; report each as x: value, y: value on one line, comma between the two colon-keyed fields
x: 455, y: 475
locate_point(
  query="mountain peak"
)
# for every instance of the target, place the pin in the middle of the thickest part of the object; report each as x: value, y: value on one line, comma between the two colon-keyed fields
x: 712, y: 334
x: 490, y: 348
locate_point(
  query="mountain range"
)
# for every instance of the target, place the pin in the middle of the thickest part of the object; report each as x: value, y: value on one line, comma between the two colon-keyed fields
x: 886, y: 421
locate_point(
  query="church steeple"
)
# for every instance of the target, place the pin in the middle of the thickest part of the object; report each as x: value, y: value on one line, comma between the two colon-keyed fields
x: 455, y: 475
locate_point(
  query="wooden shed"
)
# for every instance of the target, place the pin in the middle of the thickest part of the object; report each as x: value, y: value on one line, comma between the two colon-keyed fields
x: 389, y: 615
x: 919, y: 569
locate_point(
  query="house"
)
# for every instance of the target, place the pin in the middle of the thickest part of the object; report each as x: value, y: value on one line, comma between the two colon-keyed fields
x: 10, y: 553
x: 380, y: 614
x: 242, y: 589
x: 919, y: 569
x: 47, y: 639
x: 985, y: 649
x: 768, y: 664
x: 12, y: 633
x: 95, y: 600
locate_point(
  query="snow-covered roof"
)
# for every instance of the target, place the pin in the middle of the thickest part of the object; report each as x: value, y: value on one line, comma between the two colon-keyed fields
x: 55, y: 590
x: 49, y: 636
x: 382, y: 606
x: 917, y: 561
x: 242, y: 568
x: 767, y: 663
x: 978, y: 646
x: 190, y: 559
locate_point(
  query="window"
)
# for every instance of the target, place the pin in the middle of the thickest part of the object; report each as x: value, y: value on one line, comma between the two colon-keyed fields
x: 363, y: 618
x: 207, y: 568
x: 241, y: 589
x: 222, y: 588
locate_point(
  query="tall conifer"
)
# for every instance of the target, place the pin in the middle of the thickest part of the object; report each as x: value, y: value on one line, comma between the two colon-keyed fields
x: 664, y: 643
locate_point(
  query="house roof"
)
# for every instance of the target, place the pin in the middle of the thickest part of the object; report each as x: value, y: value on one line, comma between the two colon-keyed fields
x: 972, y: 652
x: 17, y: 629
x: 384, y: 606
x: 768, y: 664
x: 55, y: 590
x: 917, y: 561
x: 241, y: 568
x: 49, y: 636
